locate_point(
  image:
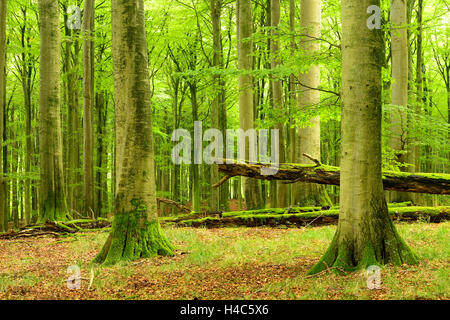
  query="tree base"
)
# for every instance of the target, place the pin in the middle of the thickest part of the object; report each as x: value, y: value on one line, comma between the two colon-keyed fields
x: 342, y: 256
x: 132, y: 238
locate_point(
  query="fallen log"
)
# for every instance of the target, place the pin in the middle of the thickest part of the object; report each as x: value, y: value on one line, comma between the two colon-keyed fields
x: 179, y: 206
x: 431, y: 183
x: 55, y: 228
x: 281, y: 217
x: 200, y: 215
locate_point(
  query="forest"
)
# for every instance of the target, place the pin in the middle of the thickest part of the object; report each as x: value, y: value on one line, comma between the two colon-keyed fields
x: 224, y: 149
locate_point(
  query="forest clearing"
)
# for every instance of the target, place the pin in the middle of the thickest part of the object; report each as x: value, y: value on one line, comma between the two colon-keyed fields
x: 224, y: 150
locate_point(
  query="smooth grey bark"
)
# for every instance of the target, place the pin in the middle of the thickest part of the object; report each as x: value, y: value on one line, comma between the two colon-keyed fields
x: 3, y: 214
x: 252, y: 193
x: 88, y: 108
x: 399, y: 89
x: 365, y: 234
x: 51, y: 194
x: 277, y: 90
x: 308, y: 138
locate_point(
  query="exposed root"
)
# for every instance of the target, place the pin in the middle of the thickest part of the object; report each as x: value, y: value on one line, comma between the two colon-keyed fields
x: 341, y: 255
x: 132, y: 238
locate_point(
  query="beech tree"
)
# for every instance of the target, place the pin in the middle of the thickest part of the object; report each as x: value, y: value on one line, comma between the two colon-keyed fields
x: 73, y: 136
x: 246, y: 107
x: 3, y: 215
x: 52, y: 201
x: 219, y: 198
x: 88, y: 106
x: 366, y: 234
x: 277, y: 91
x: 93, y: 138
x: 136, y: 231
x: 308, y: 138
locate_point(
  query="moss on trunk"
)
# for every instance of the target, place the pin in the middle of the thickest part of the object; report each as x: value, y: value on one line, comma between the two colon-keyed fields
x: 53, y: 208
x: 133, y: 237
x: 372, y: 242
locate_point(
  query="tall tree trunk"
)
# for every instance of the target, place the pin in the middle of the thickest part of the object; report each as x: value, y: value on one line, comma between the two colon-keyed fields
x: 308, y: 139
x: 216, y: 9
x: 136, y: 231
x: 35, y: 165
x: 175, y: 180
x: 416, y: 149
x: 14, y: 182
x: 365, y: 234
x: 292, y: 97
x: 3, y: 214
x: 88, y: 106
x: 26, y: 88
x: 399, y: 89
x: 52, y: 200
x: 72, y: 52
x: 252, y: 193
x: 196, y: 193
x: 101, y: 191
x: 277, y: 90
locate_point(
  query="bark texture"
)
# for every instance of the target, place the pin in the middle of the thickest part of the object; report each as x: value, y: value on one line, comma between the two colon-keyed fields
x: 88, y: 107
x: 430, y: 183
x: 252, y: 193
x: 365, y: 234
x: 3, y: 215
x: 277, y: 91
x: 399, y: 90
x: 51, y: 193
x: 136, y: 231
x: 308, y: 138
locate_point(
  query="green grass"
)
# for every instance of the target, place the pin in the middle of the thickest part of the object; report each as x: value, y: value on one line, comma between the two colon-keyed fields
x: 8, y: 281
x: 240, y: 263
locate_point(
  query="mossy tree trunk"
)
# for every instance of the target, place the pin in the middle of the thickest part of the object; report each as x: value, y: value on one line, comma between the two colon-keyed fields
x: 365, y: 234
x: 52, y: 201
x: 3, y: 215
x: 136, y: 231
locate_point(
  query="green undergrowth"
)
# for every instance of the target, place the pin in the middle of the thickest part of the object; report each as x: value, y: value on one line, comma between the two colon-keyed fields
x: 227, y: 263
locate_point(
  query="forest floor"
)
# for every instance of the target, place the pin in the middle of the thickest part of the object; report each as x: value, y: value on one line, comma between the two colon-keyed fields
x: 227, y: 263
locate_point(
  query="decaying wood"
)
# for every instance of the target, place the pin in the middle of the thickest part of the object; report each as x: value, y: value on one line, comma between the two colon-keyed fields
x: 295, y: 219
x: 175, y: 204
x: 322, y: 174
x: 55, y: 229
